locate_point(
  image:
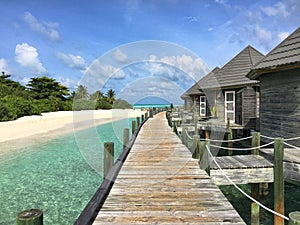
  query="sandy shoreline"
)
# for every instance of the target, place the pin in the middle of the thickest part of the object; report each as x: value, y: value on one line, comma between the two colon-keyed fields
x: 30, y: 129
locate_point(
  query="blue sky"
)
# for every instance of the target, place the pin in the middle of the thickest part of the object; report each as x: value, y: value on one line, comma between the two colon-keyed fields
x: 139, y: 48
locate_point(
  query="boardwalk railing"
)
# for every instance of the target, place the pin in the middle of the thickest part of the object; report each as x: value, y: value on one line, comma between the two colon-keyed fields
x: 90, y: 212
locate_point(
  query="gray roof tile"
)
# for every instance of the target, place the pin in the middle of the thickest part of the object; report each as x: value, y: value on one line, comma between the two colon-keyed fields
x: 234, y: 72
x: 286, y: 53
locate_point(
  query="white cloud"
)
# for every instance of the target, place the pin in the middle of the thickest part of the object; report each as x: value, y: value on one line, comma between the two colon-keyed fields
x: 44, y: 28
x: 263, y: 36
x: 112, y: 72
x: 70, y: 83
x: 98, y: 73
x: 283, y: 35
x: 195, y: 68
x: 279, y: 9
x: 120, y: 56
x: 27, y: 56
x: 3, y: 65
x: 152, y: 86
x: 191, y: 19
x: 72, y: 61
x: 222, y: 2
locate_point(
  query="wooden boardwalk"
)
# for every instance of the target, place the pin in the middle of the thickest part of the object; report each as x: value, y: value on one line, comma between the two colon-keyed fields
x: 160, y: 183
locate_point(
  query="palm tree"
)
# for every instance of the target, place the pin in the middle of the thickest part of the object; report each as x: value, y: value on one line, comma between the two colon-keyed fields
x: 96, y: 95
x: 81, y: 92
x: 111, y: 96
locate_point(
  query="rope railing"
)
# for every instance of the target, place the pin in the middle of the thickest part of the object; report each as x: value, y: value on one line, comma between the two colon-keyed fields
x: 243, y: 149
x: 187, y: 134
x: 292, y: 146
x: 244, y: 193
x: 285, y: 139
x: 226, y: 141
x: 291, y: 139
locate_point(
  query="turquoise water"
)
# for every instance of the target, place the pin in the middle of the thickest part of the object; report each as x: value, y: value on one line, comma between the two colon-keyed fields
x: 53, y: 176
x: 139, y: 106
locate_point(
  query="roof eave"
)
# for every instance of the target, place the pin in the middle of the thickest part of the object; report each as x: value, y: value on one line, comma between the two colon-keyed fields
x: 256, y: 73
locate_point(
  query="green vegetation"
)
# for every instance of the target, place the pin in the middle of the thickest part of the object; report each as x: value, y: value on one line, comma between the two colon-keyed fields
x: 44, y: 94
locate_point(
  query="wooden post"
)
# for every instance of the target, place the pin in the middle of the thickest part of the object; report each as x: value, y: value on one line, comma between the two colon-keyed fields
x: 125, y: 137
x: 175, y: 128
x: 133, y: 126
x: 143, y: 118
x: 255, y: 143
x: 181, y: 116
x: 207, y: 158
x: 195, y: 150
x: 278, y: 181
x: 184, y: 136
x: 146, y: 115
x: 202, y: 149
x: 138, y: 121
x: 294, y: 218
x: 30, y: 217
x: 229, y: 137
x: 255, y: 188
x: 108, y: 158
x: 254, y: 206
x: 151, y: 113
x: 207, y: 134
x: 196, y: 125
x: 254, y: 214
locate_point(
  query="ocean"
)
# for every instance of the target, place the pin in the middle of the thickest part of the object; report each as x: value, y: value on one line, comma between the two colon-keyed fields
x: 146, y: 106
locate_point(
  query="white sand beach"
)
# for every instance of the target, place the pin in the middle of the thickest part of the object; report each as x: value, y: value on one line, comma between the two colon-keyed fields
x: 54, y: 124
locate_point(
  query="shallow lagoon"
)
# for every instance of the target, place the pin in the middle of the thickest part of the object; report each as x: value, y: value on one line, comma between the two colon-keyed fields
x: 53, y: 176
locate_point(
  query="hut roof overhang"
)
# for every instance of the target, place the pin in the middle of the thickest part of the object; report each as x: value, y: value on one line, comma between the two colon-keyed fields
x: 285, y: 56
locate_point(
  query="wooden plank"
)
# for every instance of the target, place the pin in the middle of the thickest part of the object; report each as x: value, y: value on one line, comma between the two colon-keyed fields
x: 242, y: 169
x: 241, y: 161
x: 160, y: 183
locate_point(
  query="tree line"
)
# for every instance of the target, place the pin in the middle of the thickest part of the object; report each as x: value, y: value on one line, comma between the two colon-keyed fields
x: 45, y: 94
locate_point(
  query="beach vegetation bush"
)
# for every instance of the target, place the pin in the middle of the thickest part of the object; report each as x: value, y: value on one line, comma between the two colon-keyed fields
x: 44, y: 94
x: 46, y: 88
x: 121, y: 104
x: 103, y: 103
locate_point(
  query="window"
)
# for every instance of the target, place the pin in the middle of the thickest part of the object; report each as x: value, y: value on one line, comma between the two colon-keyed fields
x: 202, y: 106
x: 230, y: 106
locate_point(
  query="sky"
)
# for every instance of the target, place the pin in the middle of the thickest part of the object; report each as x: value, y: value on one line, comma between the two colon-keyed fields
x: 138, y: 48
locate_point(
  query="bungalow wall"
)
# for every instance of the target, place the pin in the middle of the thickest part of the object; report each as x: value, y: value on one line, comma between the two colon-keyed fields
x: 280, y: 104
x: 188, y: 103
x: 247, y: 107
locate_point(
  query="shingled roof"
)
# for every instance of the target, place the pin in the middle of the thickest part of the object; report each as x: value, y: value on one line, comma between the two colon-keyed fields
x: 283, y: 56
x: 234, y: 73
x: 195, y: 89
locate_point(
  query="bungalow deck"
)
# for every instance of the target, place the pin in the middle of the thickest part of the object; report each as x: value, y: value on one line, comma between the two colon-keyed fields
x: 291, y: 163
x: 160, y: 183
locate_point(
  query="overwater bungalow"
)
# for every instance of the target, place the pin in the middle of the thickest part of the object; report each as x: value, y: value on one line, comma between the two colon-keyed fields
x: 279, y: 77
x: 228, y: 93
x: 195, y: 99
